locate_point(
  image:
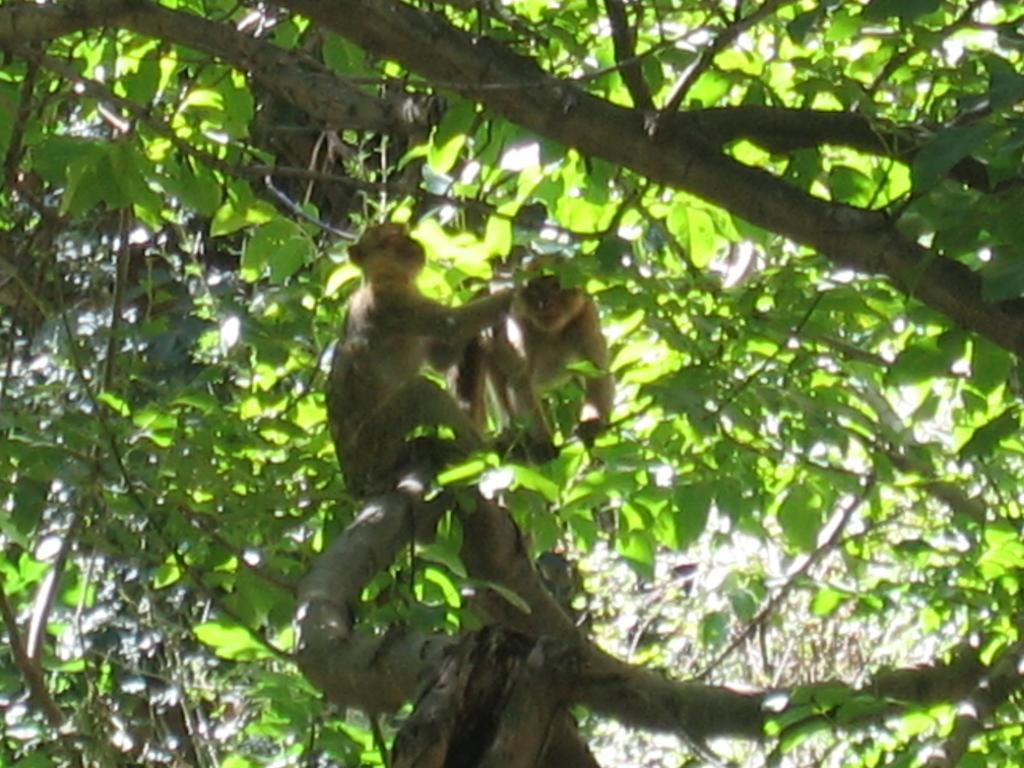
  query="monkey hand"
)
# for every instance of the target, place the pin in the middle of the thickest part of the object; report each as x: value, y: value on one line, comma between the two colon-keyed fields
x: 589, y: 429
x: 541, y: 451
x: 520, y: 447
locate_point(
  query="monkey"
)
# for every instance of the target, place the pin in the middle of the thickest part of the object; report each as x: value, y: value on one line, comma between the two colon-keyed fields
x: 377, y: 398
x: 547, y: 328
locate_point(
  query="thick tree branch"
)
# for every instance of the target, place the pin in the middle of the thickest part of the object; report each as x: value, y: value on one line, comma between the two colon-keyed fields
x: 328, y: 98
x: 851, y: 237
x: 302, y: 81
x: 380, y: 673
x: 999, y: 684
x: 676, y: 156
x: 28, y: 23
x: 783, y: 129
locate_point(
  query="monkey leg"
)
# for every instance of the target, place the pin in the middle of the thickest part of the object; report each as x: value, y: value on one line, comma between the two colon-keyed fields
x: 391, y: 438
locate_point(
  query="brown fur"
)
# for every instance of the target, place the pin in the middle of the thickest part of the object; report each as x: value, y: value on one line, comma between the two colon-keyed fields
x: 376, y: 396
x: 547, y: 328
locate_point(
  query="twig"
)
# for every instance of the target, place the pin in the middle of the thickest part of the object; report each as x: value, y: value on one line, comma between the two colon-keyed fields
x: 809, y: 561
x: 47, y: 594
x: 205, y: 523
x: 900, y: 57
x: 120, y: 278
x: 212, y: 596
x: 707, y: 56
x: 14, y: 146
x: 33, y: 677
x: 995, y: 687
x: 624, y: 42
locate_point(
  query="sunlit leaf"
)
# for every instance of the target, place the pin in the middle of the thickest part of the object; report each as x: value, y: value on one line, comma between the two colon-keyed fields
x: 229, y: 641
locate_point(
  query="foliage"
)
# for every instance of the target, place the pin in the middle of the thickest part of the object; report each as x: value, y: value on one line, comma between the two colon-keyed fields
x: 840, y: 460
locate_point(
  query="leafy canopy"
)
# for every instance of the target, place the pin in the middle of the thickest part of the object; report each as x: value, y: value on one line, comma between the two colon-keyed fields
x: 836, y: 450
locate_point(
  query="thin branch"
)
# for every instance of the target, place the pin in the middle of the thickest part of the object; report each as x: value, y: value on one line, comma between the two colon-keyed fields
x: 14, y: 146
x: 15, y: 274
x: 47, y: 593
x: 901, y: 56
x: 624, y: 41
x: 120, y: 278
x: 214, y: 598
x: 724, y: 39
x: 809, y: 562
x: 749, y: 379
x: 32, y: 674
x: 207, y: 525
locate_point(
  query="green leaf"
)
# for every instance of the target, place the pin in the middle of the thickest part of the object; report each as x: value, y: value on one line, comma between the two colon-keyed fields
x: 851, y: 185
x: 1007, y: 84
x: 141, y: 82
x: 1003, y: 278
x: 714, y: 629
x: 802, y: 24
x: 528, y: 477
x: 465, y: 471
x: 906, y: 10
x: 827, y: 600
x: 923, y: 361
x: 340, y: 55
x: 1004, y: 552
x: 990, y: 365
x: 860, y: 708
x: 9, y: 98
x: 196, y: 185
x: 168, y: 573
x: 239, y: 210
x: 230, y: 641
x: 512, y: 597
x: 116, y: 404
x: 948, y: 147
x: 987, y: 437
x: 800, y: 517
x: 691, y: 505
x: 450, y: 136
x: 443, y: 581
x: 638, y: 547
x: 280, y: 244
x: 695, y: 230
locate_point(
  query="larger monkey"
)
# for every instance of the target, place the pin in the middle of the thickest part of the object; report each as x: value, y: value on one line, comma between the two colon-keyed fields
x: 547, y: 328
x: 376, y: 398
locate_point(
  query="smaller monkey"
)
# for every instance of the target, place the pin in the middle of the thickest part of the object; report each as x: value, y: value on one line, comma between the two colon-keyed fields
x: 376, y: 395
x: 547, y: 328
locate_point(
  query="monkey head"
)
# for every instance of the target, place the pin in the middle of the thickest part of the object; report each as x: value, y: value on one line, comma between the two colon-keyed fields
x: 546, y: 305
x: 386, y: 251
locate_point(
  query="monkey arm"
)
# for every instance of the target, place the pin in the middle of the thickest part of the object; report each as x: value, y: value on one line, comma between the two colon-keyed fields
x: 442, y: 355
x: 454, y: 326
x: 600, y: 390
x: 465, y: 325
x: 510, y: 369
x: 468, y: 380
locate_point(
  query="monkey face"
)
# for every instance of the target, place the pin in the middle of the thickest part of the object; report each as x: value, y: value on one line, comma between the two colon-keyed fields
x: 386, y: 250
x: 548, y: 306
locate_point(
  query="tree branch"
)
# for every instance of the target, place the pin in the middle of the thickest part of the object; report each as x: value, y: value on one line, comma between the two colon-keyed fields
x: 851, y: 237
x: 726, y: 38
x: 676, y: 156
x: 624, y: 42
x: 32, y: 674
